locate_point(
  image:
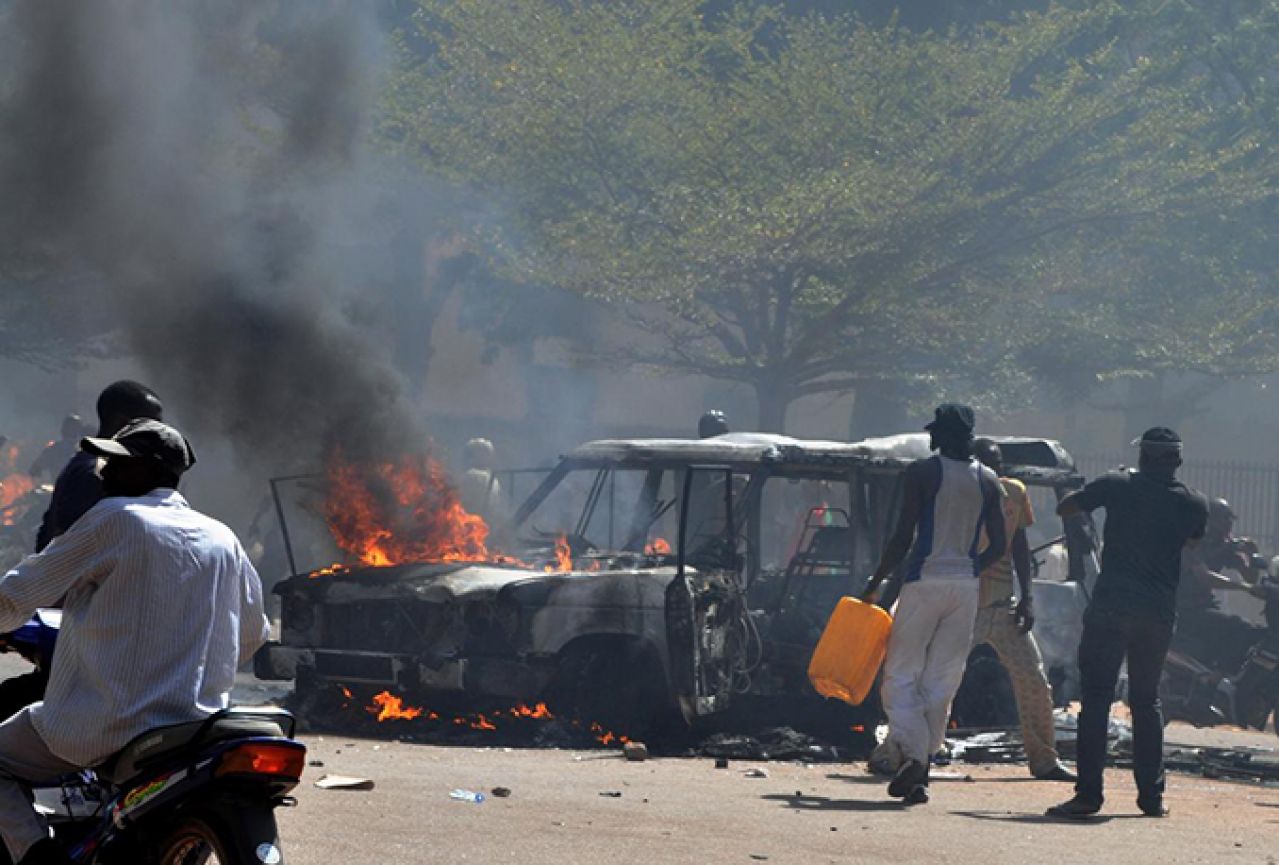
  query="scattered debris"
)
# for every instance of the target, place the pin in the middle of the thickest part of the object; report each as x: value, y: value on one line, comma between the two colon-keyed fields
x: 1258, y: 765
x: 775, y: 743
x: 501, y: 792
x: 344, y: 782
x: 756, y: 773
x: 636, y: 752
x: 759, y: 857
x: 318, y: 764
x: 467, y: 796
x: 611, y: 794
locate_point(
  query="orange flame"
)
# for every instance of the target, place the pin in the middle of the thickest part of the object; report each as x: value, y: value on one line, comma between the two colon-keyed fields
x: 539, y: 711
x: 563, y: 557
x: 14, y: 486
x: 404, y: 511
x: 659, y: 547
x: 389, y: 707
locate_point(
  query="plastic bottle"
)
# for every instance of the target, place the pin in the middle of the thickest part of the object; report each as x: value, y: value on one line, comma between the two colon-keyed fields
x: 467, y: 796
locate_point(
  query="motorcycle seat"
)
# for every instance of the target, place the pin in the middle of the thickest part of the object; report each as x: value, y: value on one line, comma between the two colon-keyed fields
x: 154, y: 745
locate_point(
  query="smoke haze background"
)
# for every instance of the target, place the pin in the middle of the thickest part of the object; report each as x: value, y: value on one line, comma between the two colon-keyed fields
x: 204, y: 165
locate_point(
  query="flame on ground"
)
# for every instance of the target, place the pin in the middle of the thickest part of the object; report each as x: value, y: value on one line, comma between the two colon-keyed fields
x: 388, y: 707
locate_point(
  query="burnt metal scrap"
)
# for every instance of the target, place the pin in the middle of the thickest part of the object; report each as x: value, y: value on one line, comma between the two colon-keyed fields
x: 1257, y: 765
x: 643, y: 585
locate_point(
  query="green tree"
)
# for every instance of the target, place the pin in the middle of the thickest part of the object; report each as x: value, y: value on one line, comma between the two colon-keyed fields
x: 806, y: 205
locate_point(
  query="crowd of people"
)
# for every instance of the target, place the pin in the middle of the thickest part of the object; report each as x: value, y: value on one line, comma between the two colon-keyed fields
x: 960, y: 539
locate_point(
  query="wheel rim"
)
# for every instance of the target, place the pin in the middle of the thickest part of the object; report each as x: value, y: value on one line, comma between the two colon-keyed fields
x: 193, y: 847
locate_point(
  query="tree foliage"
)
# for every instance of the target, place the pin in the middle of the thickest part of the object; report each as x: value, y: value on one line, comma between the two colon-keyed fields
x: 806, y: 204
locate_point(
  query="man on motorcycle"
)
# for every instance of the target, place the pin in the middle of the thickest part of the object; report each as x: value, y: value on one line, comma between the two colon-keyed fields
x: 161, y: 607
x: 1204, y: 630
x: 77, y: 489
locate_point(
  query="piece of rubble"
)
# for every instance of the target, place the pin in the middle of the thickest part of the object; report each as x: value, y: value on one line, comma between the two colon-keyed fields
x: 635, y: 752
x: 501, y: 792
x: 721, y: 762
x: 611, y: 794
x: 344, y: 782
x: 756, y: 773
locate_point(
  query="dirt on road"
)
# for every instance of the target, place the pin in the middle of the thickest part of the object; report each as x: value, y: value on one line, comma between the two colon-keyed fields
x: 562, y: 809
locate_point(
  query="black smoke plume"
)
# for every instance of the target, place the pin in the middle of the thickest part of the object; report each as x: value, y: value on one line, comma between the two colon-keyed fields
x: 207, y: 163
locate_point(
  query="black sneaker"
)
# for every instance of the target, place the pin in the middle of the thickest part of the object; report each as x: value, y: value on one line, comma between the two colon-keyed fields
x: 1077, y: 808
x: 1058, y: 772
x: 1152, y: 808
x: 917, y: 796
x: 912, y: 774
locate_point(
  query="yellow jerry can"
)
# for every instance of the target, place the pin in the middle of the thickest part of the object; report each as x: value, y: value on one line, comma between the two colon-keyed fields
x: 852, y: 647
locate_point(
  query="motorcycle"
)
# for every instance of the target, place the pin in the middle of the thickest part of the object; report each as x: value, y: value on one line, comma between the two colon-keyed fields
x: 1194, y: 692
x: 202, y: 792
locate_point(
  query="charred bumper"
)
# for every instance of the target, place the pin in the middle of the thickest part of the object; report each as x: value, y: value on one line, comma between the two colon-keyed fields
x: 488, y: 677
x: 277, y: 663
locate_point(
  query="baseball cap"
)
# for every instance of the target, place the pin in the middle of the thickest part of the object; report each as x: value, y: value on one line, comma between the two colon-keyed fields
x: 144, y: 438
x: 952, y: 416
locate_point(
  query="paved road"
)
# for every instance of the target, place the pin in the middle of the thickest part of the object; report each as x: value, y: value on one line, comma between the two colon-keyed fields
x: 685, y: 810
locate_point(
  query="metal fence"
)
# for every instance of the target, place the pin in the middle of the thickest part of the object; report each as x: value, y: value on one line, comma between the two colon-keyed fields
x: 1251, y: 488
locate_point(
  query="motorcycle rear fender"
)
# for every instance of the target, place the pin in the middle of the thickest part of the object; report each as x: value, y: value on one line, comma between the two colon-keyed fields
x: 193, y: 779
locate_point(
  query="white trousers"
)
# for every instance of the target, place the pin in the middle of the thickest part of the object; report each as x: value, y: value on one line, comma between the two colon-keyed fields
x: 927, y: 651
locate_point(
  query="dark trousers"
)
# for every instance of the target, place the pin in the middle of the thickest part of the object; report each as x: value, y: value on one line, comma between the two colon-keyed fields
x: 1108, y: 639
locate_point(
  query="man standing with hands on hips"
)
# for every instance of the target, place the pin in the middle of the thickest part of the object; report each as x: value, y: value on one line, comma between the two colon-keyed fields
x: 947, y: 501
x: 1150, y: 517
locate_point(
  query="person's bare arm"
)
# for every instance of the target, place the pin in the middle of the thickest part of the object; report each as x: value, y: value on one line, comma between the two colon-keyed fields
x: 1024, y: 569
x: 903, y: 534
x: 1197, y: 569
x: 996, y: 533
x: 1070, y: 506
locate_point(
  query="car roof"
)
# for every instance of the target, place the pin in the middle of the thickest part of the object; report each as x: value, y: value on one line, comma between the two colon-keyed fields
x: 746, y: 449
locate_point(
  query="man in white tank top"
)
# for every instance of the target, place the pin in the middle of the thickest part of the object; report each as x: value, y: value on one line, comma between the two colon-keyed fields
x: 947, y: 501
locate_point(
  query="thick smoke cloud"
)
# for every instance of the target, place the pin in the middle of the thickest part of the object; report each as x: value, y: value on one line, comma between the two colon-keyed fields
x: 206, y: 162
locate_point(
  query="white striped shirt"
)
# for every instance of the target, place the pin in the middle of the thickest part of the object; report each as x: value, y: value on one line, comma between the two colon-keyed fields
x: 162, y: 604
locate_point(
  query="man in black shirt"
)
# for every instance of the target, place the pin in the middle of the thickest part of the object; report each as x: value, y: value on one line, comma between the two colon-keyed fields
x: 77, y: 490
x: 1150, y: 517
x: 78, y: 487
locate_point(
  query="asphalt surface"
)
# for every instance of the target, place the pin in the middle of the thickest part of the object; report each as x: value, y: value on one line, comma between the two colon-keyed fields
x: 687, y: 811
x: 561, y: 810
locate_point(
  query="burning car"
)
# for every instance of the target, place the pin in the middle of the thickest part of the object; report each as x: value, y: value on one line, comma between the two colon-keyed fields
x: 642, y: 581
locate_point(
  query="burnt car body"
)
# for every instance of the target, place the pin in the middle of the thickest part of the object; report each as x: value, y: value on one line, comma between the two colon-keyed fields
x: 701, y: 571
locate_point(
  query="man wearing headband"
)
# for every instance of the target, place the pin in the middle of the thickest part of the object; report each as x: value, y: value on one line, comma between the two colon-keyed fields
x: 1150, y: 517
